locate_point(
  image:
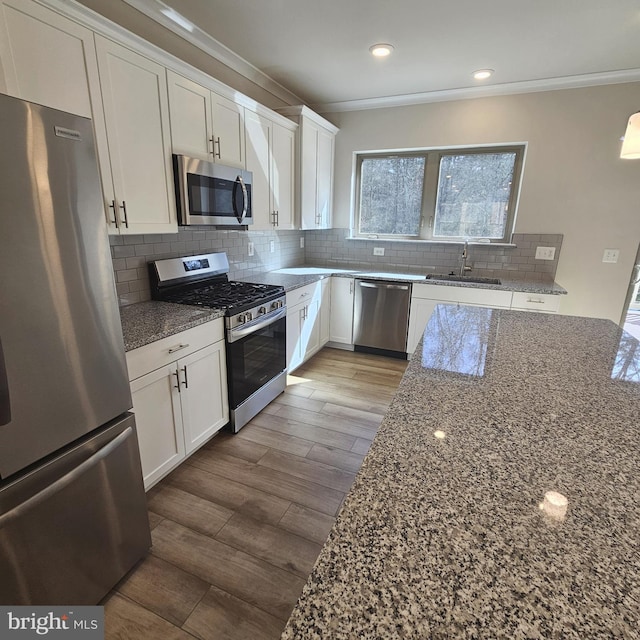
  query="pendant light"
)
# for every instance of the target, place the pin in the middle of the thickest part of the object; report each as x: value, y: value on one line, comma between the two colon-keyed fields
x: 631, y: 141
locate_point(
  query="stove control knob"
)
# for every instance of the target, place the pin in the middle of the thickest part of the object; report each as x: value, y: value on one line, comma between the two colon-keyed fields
x: 275, y: 305
x: 248, y: 316
x: 242, y: 318
x: 262, y: 311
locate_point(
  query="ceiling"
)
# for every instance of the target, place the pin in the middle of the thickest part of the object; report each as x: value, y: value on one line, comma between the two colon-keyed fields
x: 319, y: 49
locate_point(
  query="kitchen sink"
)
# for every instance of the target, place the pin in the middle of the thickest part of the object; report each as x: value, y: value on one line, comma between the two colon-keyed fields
x: 469, y: 279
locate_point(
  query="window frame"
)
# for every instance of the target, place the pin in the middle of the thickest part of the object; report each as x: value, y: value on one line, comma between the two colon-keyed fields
x: 432, y: 157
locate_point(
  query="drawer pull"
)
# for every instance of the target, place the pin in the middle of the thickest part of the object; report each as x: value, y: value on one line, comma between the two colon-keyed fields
x: 180, y: 347
x: 536, y: 301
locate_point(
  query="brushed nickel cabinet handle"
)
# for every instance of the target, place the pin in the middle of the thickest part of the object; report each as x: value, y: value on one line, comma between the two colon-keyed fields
x: 180, y: 347
x: 177, y: 385
x: 217, y: 142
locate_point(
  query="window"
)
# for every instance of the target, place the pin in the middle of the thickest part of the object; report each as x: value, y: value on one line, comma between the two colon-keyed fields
x: 442, y: 194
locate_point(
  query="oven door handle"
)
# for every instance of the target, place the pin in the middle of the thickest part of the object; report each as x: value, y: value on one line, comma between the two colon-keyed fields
x: 255, y: 325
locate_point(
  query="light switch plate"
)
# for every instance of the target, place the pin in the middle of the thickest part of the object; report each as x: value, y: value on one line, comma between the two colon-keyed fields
x: 611, y: 255
x: 545, y: 253
x: 251, y: 249
x: 378, y: 251
x: 272, y: 246
x: 302, y: 242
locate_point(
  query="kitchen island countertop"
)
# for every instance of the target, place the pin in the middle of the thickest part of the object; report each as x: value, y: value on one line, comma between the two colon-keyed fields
x: 443, y: 535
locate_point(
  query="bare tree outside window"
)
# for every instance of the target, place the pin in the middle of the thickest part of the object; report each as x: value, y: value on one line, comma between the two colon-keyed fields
x: 391, y: 195
x: 473, y: 195
x: 439, y: 194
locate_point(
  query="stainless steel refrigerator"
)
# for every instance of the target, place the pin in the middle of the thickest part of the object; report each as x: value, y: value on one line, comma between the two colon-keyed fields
x: 73, y: 516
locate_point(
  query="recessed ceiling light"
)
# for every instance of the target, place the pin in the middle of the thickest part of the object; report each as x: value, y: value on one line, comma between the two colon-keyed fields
x: 381, y: 50
x: 482, y: 74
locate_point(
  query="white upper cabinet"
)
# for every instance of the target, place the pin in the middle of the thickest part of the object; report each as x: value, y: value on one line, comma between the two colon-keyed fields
x: 134, y: 146
x: 270, y: 157
x: 228, y: 131
x: 204, y: 124
x: 314, y: 183
x: 47, y: 58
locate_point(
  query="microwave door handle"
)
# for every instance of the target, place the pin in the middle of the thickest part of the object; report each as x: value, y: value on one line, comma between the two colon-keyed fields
x: 245, y: 200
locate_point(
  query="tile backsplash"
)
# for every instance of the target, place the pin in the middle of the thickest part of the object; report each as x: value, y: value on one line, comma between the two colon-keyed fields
x: 323, y: 248
x: 333, y: 247
x: 131, y: 253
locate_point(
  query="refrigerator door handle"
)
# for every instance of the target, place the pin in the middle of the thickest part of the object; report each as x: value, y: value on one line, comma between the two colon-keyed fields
x: 5, y: 401
x: 65, y: 480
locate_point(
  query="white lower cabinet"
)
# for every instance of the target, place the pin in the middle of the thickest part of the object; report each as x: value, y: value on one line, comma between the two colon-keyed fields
x: 424, y: 297
x: 179, y: 403
x: 325, y: 311
x: 304, y: 319
x: 341, y: 321
x: 540, y: 302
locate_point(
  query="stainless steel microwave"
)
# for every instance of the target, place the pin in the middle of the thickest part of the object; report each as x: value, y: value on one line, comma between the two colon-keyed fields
x: 209, y: 193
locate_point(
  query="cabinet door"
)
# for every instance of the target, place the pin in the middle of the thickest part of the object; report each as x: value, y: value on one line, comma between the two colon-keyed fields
x: 190, y: 115
x: 228, y: 131
x: 156, y: 403
x: 308, y: 175
x: 205, y: 408
x: 341, y: 321
x: 282, y: 176
x: 419, y: 314
x: 258, y: 132
x: 47, y: 58
x: 134, y: 93
x: 310, y: 333
x: 325, y: 311
x: 294, y: 333
x: 324, y: 185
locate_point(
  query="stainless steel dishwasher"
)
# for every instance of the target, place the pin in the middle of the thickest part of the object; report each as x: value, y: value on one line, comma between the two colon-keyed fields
x: 381, y: 317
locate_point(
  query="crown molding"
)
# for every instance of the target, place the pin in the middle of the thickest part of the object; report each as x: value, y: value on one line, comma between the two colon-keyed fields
x: 197, y: 37
x: 468, y: 93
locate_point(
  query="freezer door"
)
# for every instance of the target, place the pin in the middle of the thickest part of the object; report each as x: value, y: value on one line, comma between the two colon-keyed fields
x: 63, y: 370
x: 70, y: 529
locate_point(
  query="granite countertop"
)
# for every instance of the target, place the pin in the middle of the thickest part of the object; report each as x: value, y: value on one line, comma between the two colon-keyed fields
x: 293, y: 277
x: 146, y: 322
x: 444, y: 537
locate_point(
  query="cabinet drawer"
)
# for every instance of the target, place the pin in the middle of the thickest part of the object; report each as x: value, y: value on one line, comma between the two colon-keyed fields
x: 157, y: 354
x: 535, y: 302
x: 463, y: 295
x: 303, y: 294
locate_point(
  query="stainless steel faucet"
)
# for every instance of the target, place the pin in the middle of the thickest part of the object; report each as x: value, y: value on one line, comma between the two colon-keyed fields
x: 465, y: 254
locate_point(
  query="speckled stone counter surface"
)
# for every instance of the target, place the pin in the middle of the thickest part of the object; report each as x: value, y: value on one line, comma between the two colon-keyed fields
x: 293, y: 277
x: 147, y: 322
x: 444, y: 537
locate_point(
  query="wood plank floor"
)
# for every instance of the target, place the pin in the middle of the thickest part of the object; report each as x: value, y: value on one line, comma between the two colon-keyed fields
x: 238, y: 526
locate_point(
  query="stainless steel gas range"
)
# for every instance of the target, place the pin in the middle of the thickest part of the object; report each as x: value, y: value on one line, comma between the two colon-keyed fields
x: 255, y: 323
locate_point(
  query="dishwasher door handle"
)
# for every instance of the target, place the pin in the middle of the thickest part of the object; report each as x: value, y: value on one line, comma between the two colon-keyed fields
x: 383, y: 285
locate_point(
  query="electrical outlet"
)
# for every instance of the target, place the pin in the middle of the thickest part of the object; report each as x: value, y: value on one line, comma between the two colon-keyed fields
x: 302, y: 242
x: 378, y: 251
x: 251, y: 249
x: 545, y: 253
x: 611, y: 255
x: 272, y: 246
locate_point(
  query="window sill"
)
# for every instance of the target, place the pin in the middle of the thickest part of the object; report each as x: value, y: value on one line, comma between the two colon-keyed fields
x: 471, y: 243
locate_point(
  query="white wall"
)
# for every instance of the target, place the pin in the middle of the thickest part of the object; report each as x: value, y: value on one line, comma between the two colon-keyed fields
x: 574, y: 181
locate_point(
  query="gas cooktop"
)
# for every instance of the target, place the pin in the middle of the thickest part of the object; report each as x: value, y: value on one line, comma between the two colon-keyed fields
x: 203, y: 281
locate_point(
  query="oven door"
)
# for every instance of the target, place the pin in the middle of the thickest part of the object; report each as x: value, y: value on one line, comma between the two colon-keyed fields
x: 255, y: 356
